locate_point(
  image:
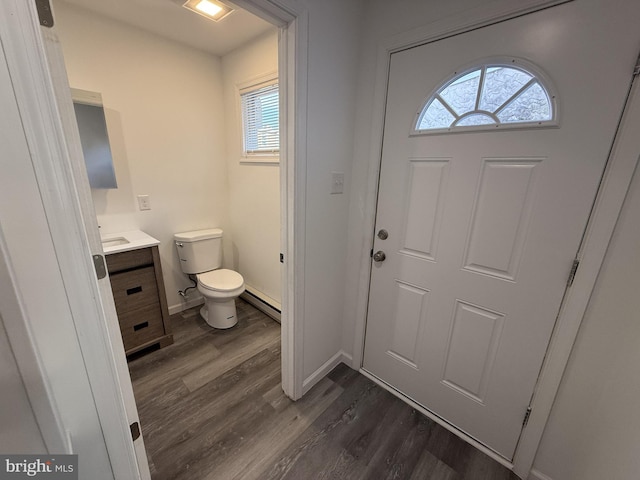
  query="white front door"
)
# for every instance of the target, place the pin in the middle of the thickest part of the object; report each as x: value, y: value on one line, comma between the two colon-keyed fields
x: 483, y: 226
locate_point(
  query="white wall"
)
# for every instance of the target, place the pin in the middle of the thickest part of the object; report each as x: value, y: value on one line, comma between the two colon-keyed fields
x: 254, y: 188
x: 594, y: 428
x: 334, y: 32
x: 165, y: 116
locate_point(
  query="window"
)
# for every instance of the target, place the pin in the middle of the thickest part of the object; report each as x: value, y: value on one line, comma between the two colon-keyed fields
x: 491, y: 96
x: 261, y: 119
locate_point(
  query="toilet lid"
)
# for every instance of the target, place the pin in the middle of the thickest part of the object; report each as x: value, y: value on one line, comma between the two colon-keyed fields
x: 220, y: 280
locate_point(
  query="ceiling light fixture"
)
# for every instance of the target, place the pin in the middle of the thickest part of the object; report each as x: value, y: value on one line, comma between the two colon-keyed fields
x: 211, y: 9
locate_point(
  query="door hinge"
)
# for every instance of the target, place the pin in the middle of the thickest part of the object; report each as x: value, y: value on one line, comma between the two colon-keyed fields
x: 45, y: 15
x: 101, y: 269
x: 135, y: 430
x: 572, y: 273
x: 526, y: 417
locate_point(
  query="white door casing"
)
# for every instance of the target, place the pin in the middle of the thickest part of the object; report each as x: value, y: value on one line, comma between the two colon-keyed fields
x: 472, y: 311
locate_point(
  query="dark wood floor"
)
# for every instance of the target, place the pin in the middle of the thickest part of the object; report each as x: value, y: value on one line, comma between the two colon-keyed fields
x: 211, y: 407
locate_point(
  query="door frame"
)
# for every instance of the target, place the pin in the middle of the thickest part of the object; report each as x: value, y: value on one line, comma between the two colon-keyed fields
x: 54, y: 155
x: 293, y: 27
x: 608, y: 203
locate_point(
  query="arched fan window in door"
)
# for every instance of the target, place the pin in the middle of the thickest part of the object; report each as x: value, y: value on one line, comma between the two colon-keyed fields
x: 488, y: 97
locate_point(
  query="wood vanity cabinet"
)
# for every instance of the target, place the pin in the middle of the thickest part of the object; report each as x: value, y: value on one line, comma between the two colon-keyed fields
x: 140, y: 298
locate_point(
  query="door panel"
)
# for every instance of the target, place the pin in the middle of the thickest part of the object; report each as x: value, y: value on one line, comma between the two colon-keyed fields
x: 471, y: 349
x: 427, y: 186
x: 500, y: 217
x: 484, y: 226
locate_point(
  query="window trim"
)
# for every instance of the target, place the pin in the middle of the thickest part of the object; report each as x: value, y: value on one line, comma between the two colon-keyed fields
x: 525, y: 65
x: 248, y: 86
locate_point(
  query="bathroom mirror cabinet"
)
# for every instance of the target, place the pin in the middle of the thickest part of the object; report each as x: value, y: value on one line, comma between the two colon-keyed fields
x: 94, y: 138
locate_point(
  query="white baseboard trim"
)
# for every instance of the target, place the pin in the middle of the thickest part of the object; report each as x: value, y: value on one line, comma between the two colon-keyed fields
x: 261, y: 304
x: 467, y: 438
x: 347, y: 359
x: 249, y: 297
x: 537, y: 475
x: 264, y: 297
x: 324, y: 369
x: 192, y: 302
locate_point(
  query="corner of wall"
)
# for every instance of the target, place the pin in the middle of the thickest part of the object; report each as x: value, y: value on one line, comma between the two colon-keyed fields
x: 253, y: 245
x: 185, y: 304
x: 325, y: 369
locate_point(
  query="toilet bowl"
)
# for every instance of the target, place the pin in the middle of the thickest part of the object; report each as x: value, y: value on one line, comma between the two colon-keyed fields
x: 220, y: 288
x: 200, y: 253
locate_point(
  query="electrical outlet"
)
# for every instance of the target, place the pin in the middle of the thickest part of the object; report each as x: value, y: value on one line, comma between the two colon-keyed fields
x: 143, y: 202
x: 337, y: 182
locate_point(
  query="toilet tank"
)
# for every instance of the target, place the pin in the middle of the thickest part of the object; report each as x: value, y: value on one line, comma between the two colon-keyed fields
x: 200, y: 250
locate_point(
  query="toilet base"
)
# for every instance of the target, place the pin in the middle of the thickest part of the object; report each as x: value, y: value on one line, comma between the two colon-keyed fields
x: 221, y: 315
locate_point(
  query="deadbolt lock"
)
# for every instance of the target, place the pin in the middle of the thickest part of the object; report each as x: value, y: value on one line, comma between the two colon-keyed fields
x: 383, y: 234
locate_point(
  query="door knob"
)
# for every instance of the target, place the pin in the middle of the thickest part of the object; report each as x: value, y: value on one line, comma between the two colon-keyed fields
x: 379, y: 256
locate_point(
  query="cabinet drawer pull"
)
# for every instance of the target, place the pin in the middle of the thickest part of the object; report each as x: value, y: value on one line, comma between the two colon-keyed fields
x: 140, y: 326
x: 131, y: 291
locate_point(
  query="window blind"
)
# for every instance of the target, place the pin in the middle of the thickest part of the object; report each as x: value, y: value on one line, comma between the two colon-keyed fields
x: 261, y: 120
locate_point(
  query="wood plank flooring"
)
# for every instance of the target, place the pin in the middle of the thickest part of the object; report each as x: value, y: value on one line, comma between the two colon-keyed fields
x: 211, y: 408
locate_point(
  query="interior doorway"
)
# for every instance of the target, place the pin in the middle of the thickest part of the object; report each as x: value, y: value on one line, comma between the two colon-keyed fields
x: 131, y: 409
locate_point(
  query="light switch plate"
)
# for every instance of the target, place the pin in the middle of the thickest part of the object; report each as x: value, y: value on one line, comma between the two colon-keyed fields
x: 143, y: 202
x: 337, y: 182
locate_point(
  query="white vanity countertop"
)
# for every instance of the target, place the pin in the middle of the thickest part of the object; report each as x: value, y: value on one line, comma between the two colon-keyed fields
x: 125, y: 241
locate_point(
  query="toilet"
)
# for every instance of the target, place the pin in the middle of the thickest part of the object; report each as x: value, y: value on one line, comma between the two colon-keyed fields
x: 200, y: 253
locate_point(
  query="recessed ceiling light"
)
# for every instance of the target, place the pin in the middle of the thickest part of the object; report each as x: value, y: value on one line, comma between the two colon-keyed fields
x: 210, y: 9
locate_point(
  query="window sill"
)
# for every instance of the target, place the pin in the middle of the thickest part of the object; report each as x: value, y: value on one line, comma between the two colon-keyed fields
x: 260, y: 159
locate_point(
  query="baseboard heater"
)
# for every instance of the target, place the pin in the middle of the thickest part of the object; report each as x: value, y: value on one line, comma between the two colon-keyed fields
x: 261, y: 305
